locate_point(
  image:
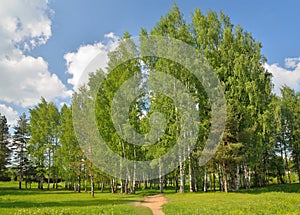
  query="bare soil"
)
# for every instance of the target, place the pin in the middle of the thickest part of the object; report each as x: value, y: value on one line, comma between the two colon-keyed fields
x: 154, y: 203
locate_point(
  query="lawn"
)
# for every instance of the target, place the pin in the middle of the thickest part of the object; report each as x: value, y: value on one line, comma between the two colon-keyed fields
x: 276, y: 199
x: 14, y: 201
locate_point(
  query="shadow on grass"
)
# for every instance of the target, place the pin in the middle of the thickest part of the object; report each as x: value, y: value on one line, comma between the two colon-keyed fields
x: 15, y: 191
x: 284, y: 188
x: 75, y: 203
x: 151, y: 192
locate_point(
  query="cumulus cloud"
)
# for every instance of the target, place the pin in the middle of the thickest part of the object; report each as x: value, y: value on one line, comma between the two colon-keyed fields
x: 83, y: 57
x: 23, y: 25
x: 10, y: 114
x: 292, y: 63
x: 288, y: 75
x: 24, y: 79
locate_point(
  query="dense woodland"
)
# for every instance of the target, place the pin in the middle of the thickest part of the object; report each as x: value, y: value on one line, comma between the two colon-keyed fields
x: 260, y: 145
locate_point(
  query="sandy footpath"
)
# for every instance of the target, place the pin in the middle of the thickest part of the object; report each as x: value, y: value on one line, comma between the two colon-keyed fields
x: 154, y: 203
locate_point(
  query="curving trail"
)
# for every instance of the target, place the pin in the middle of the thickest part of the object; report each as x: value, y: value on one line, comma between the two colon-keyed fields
x: 154, y: 203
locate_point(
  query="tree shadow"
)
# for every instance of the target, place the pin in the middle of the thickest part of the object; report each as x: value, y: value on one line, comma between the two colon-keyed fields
x: 284, y: 188
x: 15, y: 191
x: 80, y: 203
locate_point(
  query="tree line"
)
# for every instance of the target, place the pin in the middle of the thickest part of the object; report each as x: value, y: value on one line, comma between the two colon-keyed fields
x: 260, y: 145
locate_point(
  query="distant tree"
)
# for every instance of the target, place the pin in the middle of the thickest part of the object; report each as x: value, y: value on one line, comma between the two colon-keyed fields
x: 20, y: 144
x: 5, y: 151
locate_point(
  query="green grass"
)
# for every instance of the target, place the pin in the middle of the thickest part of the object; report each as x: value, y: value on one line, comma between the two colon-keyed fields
x: 14, y: 201
x: 274, y: 199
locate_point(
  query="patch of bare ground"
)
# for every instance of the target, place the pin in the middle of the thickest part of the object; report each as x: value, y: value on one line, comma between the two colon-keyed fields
x: 154, y: 203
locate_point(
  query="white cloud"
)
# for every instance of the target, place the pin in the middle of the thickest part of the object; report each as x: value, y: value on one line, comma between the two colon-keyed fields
x: 79, y: 60
x: 23, y: 23
x: 25, y: 79
x: 288, y: 75
x: 292, y: 63
x: 10, y: 114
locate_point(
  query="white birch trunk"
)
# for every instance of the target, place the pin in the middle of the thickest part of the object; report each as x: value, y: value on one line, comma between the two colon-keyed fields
x: 237, y: 178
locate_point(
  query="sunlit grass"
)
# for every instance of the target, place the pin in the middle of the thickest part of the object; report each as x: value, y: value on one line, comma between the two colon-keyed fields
x: 14, y: 201
x: 255, y: 201
x: 274, y: 199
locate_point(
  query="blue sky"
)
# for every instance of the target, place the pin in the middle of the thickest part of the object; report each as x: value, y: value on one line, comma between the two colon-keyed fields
x: 45, y: 42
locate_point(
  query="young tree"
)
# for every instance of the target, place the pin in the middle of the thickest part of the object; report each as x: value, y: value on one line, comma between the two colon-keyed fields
x: 5, y: 151
x: 20, y: 140
x: 288, y: 135
x: 44, y: 124
x: 70, y: 154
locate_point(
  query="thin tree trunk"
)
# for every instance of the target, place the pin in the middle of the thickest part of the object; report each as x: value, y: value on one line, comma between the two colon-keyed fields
x: 204, y: 181
x: 176, y: 184
x: 287, y: 164
x: 224, y: 177
x: 48, y: 187
x: 190, y: 170
x: 132, y: 190
x: 112, y: 186
x: 20, y: 183
x: 196, y: 185
x: 92, y: 180
x: 237, y: 178
x: 66, y: 184
x: 181, y: 172
x: 214, y: 181
x: 49, y: 166
x: 21, y: 172
x: 122, y: 186
x: 126, y: 185
x: 246, y: 176
x: 79, y: 184
x: 102, y: 187
x: 221, y: 187
x: 42, y: 183
x: 210, y: 182
x: 160, y: 180
x: 146, y: 183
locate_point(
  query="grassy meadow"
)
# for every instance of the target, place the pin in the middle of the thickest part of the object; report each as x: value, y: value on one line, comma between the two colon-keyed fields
x: 233, y: 203
x: 274, y: 199
x: 61, y: 202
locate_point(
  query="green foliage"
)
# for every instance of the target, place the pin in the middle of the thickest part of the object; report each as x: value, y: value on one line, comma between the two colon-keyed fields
x: 4, y: 145
x: 70, y: 156
x: 260, y: 145
x: 44, y: 141
x: 20, y: 148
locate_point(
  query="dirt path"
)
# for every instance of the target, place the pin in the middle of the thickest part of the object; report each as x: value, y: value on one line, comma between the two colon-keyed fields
x: 154, y: 203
